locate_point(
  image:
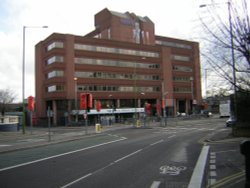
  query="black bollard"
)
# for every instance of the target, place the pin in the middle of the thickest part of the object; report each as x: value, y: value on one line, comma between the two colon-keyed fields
x: 245, y: 150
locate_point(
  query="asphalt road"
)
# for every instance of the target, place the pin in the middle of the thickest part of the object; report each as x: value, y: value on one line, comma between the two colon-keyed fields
x: 158, y: 157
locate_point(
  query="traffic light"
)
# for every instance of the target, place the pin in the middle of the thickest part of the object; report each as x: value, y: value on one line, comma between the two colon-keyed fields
x: 158, y: 108
x: 90, y: 100
x: 31, y: 103
x: 98, y: 106
x: 148, y: 108
x: 83, y: 101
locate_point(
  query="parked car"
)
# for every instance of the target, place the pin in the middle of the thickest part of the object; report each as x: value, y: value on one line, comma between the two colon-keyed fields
x: 231, y: 121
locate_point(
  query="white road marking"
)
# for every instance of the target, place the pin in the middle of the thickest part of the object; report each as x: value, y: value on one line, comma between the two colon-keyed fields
x: 79, y: 179
x: 212, y: 181
x: 171, y: 136
x: 212, y: 161
x: 32, y: 140
x: 59, y: 155
x: 4, y: 145
x: 213, y: 174
x: 155, y: 184
x: 90, y: 174
x: 212, y: 167
x: 129, y: 155
x: 160, y: 141
x: 197, y: 176
x: 172, y: 170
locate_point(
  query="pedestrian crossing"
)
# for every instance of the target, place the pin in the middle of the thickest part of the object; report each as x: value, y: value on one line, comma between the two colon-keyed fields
x: 174, y: 130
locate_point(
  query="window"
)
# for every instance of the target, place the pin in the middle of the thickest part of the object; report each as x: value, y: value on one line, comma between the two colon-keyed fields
x: 55, y: 59
x: 55, y: 88
x: 173, y: 44
x: 181, y: 79
x: 180, y: 58
x: 182, y: 68
x: 55, y: 45
x: 182, y: 90
x: 57, y: 73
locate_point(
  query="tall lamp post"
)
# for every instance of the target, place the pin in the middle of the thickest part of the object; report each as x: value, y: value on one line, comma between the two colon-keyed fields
x: 76, y: 108
x: 192, y: 92
x: 232, y: 49
x: 23, y: 74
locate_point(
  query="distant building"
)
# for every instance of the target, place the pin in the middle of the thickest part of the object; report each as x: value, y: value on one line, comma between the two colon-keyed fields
x: 122, y: 63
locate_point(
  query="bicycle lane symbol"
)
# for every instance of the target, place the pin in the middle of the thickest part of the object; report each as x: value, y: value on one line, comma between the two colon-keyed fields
x: 172, y: 170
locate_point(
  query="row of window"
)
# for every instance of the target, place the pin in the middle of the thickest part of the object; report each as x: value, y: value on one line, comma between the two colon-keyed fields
x: 117, y: 88
x: 115, y: 63
x: 115, y: 50
x: 58, y: 44
x: 59, y: 88
x: 182, y: 68
x: 122, y: 76
x: 181, y: 79
x: 182, y: 89
x: 173, y: 44
x: 180, y: 58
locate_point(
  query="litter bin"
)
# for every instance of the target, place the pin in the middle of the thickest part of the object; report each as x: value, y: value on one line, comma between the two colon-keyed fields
x: 98, y: 128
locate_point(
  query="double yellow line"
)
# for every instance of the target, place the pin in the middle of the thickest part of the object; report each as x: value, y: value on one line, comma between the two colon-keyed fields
x: 227, y: 179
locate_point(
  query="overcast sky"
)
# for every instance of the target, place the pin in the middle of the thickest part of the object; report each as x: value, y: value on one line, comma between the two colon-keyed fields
x: 172, y: 18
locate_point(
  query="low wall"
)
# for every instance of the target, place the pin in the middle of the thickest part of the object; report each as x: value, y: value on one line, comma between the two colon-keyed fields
x: 8, y: 123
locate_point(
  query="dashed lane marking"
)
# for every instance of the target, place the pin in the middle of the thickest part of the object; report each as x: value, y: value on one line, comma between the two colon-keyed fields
x: 155, y: 184
x: 4, y: 145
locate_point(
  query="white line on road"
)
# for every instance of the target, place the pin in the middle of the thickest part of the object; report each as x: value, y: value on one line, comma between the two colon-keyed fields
x: 4, y: 145
x: 129, y: 155
x: 160, y: 141
x: 79, y: 179
x: 171, y: 136
x: 85, y: 176
x: 63, y: 154
x: 197, y: 176
x: 155, y: 184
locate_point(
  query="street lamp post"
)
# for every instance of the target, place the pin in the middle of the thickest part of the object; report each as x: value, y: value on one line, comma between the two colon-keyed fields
x: 232, y: 49
x: 192, y: 92
x: 76, y: 108
x: 164, y: 103
x: 23, y: 75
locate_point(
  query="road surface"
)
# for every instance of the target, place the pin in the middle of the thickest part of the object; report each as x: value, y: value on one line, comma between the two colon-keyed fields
x: 155, y: 157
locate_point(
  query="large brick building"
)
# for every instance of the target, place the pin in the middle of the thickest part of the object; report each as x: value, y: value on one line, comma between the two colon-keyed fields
x: 122, y: 63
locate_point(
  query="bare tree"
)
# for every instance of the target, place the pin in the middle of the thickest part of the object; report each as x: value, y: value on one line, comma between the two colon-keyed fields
x: 225, y: 27
x: 7, y: 96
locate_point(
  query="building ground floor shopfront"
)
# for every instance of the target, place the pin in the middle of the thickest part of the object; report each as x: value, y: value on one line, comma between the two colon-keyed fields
x: 67, y: 112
